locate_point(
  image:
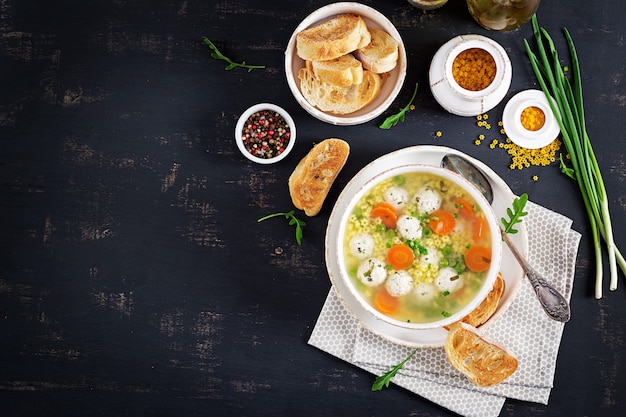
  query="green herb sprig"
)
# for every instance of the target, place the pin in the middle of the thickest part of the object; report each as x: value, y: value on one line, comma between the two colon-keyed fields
x: 565, y: 169
x: 417, y: 247
x: 231, y: 64
x: 293, y: 220
x: 515, y: 214
x: 384, y: 380
x: 568, y: 109
x: 393, y: 120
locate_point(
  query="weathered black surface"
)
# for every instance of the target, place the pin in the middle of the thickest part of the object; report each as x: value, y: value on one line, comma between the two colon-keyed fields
x: 134, y: 279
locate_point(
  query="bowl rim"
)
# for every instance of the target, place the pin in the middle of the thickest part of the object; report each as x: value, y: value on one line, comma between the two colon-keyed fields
x: 379, y: 21
x: 247, y: 113
x: 496, y: 243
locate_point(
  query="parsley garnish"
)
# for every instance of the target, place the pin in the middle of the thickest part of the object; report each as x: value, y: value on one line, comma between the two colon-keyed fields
x: 383, y: 380
x: 293, y: 220
x: 515, y: 214
x: 565, y: 169
x: 218, y: 55
x: 393, y: 120
x: 416, y: 245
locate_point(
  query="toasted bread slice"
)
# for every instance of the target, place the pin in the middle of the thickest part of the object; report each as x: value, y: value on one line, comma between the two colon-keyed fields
x: 315, y: 173
x: 338, y: 36
x: 339, y: 100
x: 484, y: 362
x: 485, y: 310
x: 381, y: 54
x: 343, y: 71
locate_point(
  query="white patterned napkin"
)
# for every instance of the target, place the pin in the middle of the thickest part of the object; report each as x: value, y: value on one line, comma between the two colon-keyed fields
x: 524, y: 329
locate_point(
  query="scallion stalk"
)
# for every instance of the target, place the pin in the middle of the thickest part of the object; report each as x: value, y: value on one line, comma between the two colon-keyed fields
x: 569, y: 112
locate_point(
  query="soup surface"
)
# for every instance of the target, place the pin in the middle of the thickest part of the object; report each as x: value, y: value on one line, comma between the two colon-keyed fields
x: 417, y: 247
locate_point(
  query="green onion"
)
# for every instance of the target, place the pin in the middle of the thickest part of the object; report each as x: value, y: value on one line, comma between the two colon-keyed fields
x: 570, y: 115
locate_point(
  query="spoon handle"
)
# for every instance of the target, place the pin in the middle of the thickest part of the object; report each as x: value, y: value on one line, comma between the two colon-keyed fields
x: 553, y: 303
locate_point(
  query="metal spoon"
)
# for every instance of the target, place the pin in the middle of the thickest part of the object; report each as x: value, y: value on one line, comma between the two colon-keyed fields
x: 553, y: 302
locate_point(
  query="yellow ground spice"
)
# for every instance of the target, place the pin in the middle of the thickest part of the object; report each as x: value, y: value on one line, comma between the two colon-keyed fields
x: 533, y: 118
x: 474, y: 69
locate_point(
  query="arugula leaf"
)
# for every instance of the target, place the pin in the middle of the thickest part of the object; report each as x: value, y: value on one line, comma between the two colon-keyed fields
x: 293, y: 220
x: 383, y: 380
x: 515, y: 214
x: 565, y: 169
x: 393, y: 120
x: 218, y: 55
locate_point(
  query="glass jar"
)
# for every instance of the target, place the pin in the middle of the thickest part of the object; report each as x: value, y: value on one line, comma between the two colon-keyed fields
x: 502, y: 15
x: 427, y: 4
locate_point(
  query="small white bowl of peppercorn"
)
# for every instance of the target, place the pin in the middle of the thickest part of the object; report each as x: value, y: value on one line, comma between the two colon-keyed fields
x: 265, y: 133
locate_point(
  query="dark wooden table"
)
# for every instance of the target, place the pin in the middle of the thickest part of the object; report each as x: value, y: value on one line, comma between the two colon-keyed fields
x: 134, y: 278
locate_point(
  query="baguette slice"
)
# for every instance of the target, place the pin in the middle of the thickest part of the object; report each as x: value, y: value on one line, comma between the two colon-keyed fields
x: 487, y: 307
x: 339, y: 100
x: 343, y: 71
x: 485, y: 310
x: 315, y: 173
x: 484, y: 362
x: 381, y: 54
x: 335, y: 37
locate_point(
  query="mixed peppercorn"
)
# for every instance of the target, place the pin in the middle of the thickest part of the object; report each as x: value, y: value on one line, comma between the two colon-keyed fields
x: 265, y: 134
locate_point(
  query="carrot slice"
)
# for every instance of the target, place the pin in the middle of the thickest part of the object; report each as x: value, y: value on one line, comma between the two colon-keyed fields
x: 442, y: 222
x: 465, y: 209
x: 479, y: 227
x: 385, y: 302
x: 400, y: 256
x: 478, y: 258
x: 386, y: 213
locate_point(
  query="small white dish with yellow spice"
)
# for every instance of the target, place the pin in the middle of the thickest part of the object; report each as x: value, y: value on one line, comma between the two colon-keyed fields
x: 529, y: 121
x: 345, y: 63
x: 402, y: 333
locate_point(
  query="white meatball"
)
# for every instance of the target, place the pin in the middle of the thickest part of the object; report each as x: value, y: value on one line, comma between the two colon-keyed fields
x: 424, y: 292
x: 399, y: 283
x: 409, y: 227
x: 431, y: 257
x: 362, y: 245
x: 396, y: 196
x: 372, y: 272
x: 448, y: 280
x: 427, y: 200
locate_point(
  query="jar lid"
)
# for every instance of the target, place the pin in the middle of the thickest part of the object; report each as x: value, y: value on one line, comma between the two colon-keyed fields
x: 529, y: 121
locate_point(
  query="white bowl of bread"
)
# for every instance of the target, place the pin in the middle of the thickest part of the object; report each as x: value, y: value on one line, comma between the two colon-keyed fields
x: 345, y: 63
